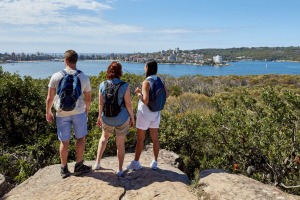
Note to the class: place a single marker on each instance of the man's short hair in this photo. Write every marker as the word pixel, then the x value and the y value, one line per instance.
pixel 71 56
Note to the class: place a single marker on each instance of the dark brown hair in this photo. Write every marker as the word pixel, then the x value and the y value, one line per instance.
pixel 71 56
pixel 151 68
pixel 114 70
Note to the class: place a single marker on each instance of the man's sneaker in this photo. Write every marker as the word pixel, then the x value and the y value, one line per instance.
pixel 80 168
pixel 97 166
pixel 153 165
pixel 120 173
pixel 134 165
pixel 64 171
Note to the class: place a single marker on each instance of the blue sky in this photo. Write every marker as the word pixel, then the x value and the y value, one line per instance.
pixel 128 26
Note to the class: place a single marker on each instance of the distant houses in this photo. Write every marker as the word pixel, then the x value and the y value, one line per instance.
pixel 175 56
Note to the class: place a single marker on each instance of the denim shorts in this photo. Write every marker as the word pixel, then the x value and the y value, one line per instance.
pixel 120 130
pixel 64 125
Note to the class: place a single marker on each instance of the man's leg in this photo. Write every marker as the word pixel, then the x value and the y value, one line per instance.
pixel 80 147
pixel 63 151
pixel 80 129
pixel 63 125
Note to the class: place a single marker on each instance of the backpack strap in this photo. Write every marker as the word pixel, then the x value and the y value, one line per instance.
pixel 105 84
pixel 120 84
pixel 152 87
pixel 152 81
pixel 116 100
pixel 61 82
pixel 117 93
pixel 63 72
pixel 78 72
pixel 76 78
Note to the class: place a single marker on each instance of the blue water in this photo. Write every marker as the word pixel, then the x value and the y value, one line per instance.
pixel 92 68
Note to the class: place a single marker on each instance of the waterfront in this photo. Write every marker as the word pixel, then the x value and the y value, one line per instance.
pixel 92 68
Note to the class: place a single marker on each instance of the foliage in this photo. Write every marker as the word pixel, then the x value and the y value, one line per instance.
pixel 23 129
pixel 21 109
pixel 242 124
pixel 252 131
pixel 255 53
pixel 260 133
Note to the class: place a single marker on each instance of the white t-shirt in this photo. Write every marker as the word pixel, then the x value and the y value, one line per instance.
pixel 80 104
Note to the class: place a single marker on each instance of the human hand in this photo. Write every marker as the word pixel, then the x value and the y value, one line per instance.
pixel 99 121
pixel 49 117
pixel 138 90
pixel 131 122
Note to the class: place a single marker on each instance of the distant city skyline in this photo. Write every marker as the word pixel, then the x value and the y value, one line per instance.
pixel 130 26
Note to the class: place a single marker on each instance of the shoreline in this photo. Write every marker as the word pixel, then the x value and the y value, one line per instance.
pixel 161 63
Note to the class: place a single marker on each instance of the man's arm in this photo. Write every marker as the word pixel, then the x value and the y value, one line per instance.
pixel 49 103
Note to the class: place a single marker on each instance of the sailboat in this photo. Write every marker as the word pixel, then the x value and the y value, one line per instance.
pixel 266 65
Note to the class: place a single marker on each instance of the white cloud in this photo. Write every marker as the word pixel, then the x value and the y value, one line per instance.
pixel 34 12
pixel 57 17
pixel 48 25
pixel 184 31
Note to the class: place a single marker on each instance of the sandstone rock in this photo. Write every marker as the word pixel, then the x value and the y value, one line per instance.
pixel 167 182
pixel 217 184
pixel 3 185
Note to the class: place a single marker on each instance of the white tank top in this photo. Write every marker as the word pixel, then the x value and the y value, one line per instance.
pixel 144 110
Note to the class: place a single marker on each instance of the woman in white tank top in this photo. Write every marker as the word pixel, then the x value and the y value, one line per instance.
pixel 146 119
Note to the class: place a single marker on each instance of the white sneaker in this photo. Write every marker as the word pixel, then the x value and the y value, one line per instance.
pixel 153 165
pixel 120 173
pixel 97 166
pixel 134 165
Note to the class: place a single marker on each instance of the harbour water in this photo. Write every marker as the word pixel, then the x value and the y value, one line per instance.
pixel 93 68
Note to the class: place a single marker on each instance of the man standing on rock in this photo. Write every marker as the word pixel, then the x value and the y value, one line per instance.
pixel 65 91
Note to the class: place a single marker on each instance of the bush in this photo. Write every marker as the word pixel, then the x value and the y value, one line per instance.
pixel 247 125
pixel 24 133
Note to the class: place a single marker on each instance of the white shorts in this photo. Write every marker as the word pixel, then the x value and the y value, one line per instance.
pixel 143 122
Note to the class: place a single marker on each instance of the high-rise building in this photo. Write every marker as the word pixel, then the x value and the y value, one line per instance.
pixel 217 59
pixel 13 56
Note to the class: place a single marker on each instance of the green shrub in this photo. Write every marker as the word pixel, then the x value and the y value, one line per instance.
pixel 242 124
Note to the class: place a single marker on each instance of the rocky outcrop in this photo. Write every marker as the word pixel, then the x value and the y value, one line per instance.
pixel 217 184
pixel 168 182
pixel 3 185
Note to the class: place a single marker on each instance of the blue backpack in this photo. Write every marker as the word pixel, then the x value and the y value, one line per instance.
pixel 157 95
pixel 69 90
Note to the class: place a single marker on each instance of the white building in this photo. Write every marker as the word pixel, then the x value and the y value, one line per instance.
pixel 217 59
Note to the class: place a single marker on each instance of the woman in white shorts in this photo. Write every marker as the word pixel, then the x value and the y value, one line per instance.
pixel 146 119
